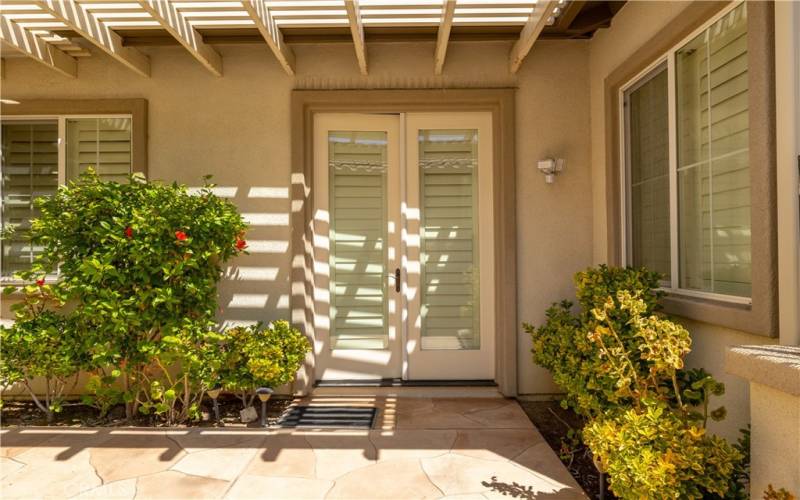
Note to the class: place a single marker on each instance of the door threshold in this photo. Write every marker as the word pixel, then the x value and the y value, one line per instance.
pixel 396 382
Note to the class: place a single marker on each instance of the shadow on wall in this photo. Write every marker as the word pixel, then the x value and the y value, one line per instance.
pixel 255 287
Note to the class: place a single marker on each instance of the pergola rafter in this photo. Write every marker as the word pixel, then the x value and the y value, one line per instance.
pixel 118 26
pixel 176 24
pixel 530 33
pixel 262 17
pixel 89 27
pixel 36 48
pixel 443 36
pixel 357 30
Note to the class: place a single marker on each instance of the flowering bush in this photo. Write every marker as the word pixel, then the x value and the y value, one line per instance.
pixel 139 264
pixel 621 365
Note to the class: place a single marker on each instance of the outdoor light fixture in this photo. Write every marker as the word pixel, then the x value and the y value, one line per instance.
pixel 550 168
pixel 213 393
pixel 264 394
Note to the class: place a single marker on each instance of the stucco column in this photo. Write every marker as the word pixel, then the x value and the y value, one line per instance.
pixel 774 375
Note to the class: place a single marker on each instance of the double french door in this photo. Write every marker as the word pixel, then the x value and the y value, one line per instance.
pixel 403 246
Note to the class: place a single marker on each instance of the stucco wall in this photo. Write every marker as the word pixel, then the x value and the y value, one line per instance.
pixel 237 128
pixel 633 26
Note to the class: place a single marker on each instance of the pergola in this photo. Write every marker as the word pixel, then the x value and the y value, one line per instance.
pixel 56 32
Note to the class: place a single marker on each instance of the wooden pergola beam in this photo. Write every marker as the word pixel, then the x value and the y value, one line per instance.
pixel 262 17
pixel 171 19
pixel 530 32
pixel 89 27
pixel 357 30
pixel 36 48
pixel 571 11
pixel 443 36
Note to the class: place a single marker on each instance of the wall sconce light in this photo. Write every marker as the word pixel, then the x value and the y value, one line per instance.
pixel 550 167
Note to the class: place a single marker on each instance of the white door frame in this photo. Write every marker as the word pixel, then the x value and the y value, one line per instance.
pixel 346 364
pixel 403 355
pixel 450 364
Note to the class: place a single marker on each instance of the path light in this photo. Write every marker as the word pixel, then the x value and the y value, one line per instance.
pixel 213 393
pixel 264 394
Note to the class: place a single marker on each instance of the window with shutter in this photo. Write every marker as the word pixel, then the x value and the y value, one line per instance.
pixel 646 124
pixel 713 158
pixel 33 165
pixel 101 143
pixel 30 170
pixel 687 167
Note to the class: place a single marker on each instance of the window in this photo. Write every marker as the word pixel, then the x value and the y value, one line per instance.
pixel 38 154
pixel 687 169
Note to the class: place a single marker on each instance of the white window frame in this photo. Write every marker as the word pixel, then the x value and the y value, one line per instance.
pixel 673 286
pixel 62 159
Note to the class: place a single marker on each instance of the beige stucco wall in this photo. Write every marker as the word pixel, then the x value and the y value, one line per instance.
pixel 237 128
pixel 633 26
pixel 775 445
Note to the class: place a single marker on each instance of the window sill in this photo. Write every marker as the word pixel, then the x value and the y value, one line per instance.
pixel 740 316
pixel 717 298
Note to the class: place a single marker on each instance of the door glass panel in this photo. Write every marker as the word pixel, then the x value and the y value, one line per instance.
pixel 448 161
pixel 30 170
pixel 357 172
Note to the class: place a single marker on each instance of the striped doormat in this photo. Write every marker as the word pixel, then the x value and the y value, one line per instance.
pixel 343 417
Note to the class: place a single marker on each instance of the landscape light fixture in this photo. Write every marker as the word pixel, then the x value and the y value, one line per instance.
pixel 264 393
pixel 213 393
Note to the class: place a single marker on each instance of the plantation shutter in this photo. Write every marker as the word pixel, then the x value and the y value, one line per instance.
pixel 647 123
pixel 448 174
pixel 358 164
pixel 101 143
pixel 30 170
pixel 713 158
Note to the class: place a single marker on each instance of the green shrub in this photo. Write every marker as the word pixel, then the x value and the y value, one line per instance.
pixel 620 363
pixel 139 263
pixel 651 452
pixel 562 344
pixel 41 344
pixel 260 356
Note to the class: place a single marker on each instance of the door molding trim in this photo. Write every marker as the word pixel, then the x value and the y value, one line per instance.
pixel 500 102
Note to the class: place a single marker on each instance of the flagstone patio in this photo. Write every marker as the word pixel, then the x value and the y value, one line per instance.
pixel 418 448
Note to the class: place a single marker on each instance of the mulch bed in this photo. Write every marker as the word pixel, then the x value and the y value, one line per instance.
pixel 554 422
pixel 75 414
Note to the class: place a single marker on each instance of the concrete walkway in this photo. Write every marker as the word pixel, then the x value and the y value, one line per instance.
pixel 418 448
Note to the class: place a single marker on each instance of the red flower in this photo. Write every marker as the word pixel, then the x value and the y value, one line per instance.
pixel 129 232
pixel 180 235
pixel 40 282
pixel 240 244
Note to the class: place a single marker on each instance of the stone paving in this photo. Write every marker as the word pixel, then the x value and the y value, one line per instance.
pixel 465 448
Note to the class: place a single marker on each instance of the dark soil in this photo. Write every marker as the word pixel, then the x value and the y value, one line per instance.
pixel 75 414
pixel 554 422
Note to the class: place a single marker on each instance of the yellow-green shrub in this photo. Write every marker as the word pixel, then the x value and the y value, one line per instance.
pixel 620 363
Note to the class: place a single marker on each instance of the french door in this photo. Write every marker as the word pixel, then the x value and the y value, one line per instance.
pixel 403 246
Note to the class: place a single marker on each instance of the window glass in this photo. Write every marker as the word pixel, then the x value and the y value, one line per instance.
pixel 30 169
pixel 713 167
pixel 101 143
pixel 648 172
